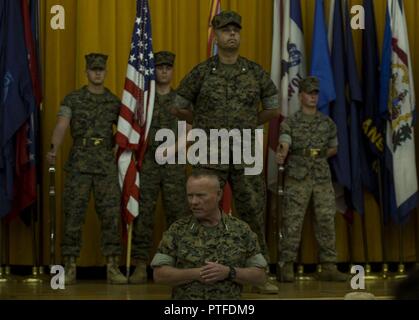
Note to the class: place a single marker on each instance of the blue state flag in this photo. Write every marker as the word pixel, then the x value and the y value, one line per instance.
pixel 358 160
pixel 373 139
pixel 397 108
pixel 16 98
pixel 341 166
pixel 320 60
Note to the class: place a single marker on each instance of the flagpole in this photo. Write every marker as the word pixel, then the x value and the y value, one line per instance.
pixel 129 246
pixel 34 277
pixel 3 279
pixel 52 213
pixel 417 238
pixel 7 272
pixel 384 271
pixel 368 274
pixel 401 272
pixel 349 237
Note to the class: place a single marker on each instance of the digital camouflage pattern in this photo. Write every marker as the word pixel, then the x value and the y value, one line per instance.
pixel 164 57
pixel 169 178
pixel 77 188
pixel 228 97
pixel 92 117
pixel 303 133
pixel 249 198
pixel 305 177
pixel 188 244
pixel 309 84
pixel 91 166
pixel 96 61
pixel 225 18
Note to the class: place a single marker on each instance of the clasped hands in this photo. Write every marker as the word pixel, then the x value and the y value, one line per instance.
pixel 213 272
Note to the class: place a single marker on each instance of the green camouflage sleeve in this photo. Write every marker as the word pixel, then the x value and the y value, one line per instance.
pixel 65 108
pixel 188 90
pixel 252 244
pixel 285 133
pixel 333 138
pixel 254 256
pixel 269 93
pixel 166 252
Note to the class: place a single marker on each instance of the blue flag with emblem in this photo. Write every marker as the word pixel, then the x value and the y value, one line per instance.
pixel 371 124
pixel 341 162
pixel 397 108
pixel 358 160
pixel 16 98
pixel 320 60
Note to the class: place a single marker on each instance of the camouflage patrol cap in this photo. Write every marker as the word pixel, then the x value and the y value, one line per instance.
pixel 164 57
pixel 309 84
pixel 96 61
pixel 226 17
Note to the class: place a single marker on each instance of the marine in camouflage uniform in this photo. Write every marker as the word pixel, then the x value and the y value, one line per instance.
pixel 190 244
pixel 90 168
pixel 227 96
pixel 169 178
pixel 311 139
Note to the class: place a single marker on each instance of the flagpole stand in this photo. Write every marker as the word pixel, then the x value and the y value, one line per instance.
pixel 37 276
pixel 3 279
pixel 384 271
pixel 370 275
pixel 301 276
pixel 401 272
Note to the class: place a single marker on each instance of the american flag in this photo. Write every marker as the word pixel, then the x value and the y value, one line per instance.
pixel 136 111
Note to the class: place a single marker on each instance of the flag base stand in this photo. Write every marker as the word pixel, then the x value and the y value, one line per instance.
pixel 370 275
pixel 384 272
pixel 3 279
pixel 301 276
pixel 37 277
pixel 400 274
pixel 6 276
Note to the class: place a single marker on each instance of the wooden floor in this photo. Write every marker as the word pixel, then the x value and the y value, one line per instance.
pixel 99 290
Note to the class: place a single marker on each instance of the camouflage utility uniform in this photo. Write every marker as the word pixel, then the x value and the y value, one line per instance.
pixel 171 178
pixel 188 244
pixel 307 175
pixel 91 167
pixel 228 96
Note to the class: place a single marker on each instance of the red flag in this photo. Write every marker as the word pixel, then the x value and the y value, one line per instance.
pixel 136 112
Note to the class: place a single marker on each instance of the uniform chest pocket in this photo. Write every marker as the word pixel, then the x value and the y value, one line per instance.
pixel 212 94
pixel 81 120
pixel 247 90
pixel 107 114
pixel 322 134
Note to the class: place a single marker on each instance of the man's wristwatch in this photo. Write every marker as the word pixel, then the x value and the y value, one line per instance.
pixel 232 273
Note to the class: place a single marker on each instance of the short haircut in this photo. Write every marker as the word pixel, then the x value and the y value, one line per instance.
pixel 202 173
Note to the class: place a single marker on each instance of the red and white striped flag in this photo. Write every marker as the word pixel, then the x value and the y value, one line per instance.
pixel 136 111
